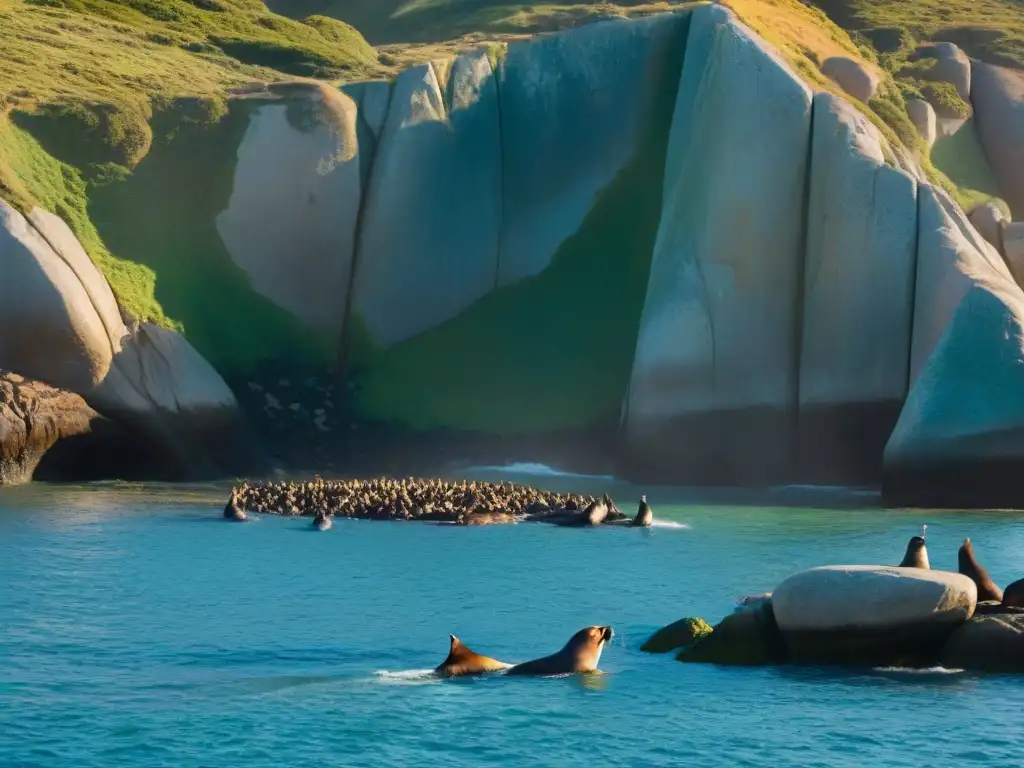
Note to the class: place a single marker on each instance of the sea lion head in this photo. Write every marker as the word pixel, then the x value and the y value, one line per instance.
pixel 586 646
pixel 916 555
pixel 464 661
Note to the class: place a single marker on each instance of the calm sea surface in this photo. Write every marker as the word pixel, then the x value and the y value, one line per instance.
pixel 138 629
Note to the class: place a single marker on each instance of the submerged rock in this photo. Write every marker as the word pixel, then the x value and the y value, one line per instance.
pixel 678 634
pixel 866 614
pixel 747 638
pixel 987 643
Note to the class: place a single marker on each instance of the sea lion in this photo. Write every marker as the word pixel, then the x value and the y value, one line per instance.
pixel 916 555
pixel 644 514
pixel 233 510
pixel 581 654
pixel 596 512
pixel 968 566
pixel 322 521
pixel 463 661
pixel 1013 595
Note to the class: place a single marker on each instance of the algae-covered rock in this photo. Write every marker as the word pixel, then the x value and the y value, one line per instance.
pixel 678 634
pixel 748 638
pixel 987 644
pixel 714 383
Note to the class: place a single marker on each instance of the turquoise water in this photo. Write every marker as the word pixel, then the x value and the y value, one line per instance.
pixel 137 629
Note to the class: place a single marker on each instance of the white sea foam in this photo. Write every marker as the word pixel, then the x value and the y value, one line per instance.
pixel 534 468
pixel 669 524
pixel 920 670
pixel 407 676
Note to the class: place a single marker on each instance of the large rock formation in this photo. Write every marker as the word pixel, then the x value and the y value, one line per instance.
pixel 61 325
pixel 988 644
pixel 714 385
pixel 50 434
pixel 428 244
pixel 870 614
pixel 998 98
pixel 858 294
pixel 298 167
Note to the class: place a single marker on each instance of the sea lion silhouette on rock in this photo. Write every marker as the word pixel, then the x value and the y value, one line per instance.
pixel 462 661
pixel 233 511
pixel 581 654
pixel 969 566
pixel 1013 595
pixel 644 514
pixel 916 555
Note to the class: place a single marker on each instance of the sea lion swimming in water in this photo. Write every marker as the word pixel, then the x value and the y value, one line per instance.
pixel 462 661
pixel 322 521
pixel 644 514
pixel 581 654
pixel 1013 595
pixel 968 566
pixel 916 555
pixel 233 511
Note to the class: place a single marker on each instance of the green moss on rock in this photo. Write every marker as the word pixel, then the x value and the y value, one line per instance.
pixel 163 216
pixel 678 634
pixel 747 638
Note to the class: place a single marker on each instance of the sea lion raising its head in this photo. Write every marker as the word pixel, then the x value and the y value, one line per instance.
pixel 916 555
pixel 644 514
pixel 968 566
pixel 233 510
pixel 595 513
pixel 463 661
pixel 1013 595
pixel 581 654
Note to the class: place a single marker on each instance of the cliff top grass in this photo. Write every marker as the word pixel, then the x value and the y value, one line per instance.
pixel 81 82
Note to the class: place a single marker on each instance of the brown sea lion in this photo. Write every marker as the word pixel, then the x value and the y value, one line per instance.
pixel 1013 595
pixel 581 654
pixel 595 513
pixel 916 555
pixel 644 514
pixel 968 566
pixel 462 661
pixel 233 510
pixel 322 521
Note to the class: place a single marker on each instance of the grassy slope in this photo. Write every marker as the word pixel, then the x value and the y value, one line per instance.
pixel 84 77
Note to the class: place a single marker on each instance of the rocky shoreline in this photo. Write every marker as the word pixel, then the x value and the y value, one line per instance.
pixel 428 499
pixel 871 616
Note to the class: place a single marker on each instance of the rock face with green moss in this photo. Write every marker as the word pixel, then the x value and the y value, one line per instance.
pixel 643 238
pixel 431 219
pixel 297 167
pixel 62 326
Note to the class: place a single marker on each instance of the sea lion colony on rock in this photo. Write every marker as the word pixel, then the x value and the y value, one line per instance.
pixel 461 503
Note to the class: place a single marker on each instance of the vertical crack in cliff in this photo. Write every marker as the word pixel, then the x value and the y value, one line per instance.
pixel 365 197
pixel 497 72
pixel 912 299
pixel 800 293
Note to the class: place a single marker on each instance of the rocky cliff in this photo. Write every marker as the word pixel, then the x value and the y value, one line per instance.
pixel 650 235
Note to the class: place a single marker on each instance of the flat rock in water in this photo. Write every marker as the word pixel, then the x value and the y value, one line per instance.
pixel 987 643
pixel 871 614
